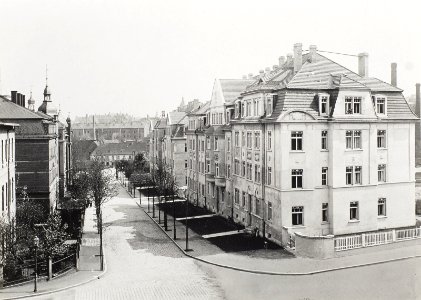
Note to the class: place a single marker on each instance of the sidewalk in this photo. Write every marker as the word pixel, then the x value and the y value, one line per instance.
pixel 278 263
pixel 89 267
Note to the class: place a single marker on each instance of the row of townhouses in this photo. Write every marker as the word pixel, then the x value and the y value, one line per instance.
pixel 308 146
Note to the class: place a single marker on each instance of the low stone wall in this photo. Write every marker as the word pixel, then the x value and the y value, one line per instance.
pixel 314 246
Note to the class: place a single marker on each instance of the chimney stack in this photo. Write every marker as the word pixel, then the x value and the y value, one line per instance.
pixel 163 114
pixel 298 57
pixel 289 59
pixel 363 64
pixel 394 74
pixel 313 52
pixel 13 98
pixel 417 99
pixel 19 99
pixel 281 61
pixel 261 73
pixel 23 100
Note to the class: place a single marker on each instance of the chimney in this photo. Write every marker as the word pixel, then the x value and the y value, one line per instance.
pixel 417 100
pixel 163 114
pixel 289 59
pixel 313 52
pixel 250 75
pixel 19 99
pixel 261 73
pixel 298 57
pixel 394 74
pixel 267 70
pixel 23 100
pixel 363 64
pixel 13 96
pixel 281 61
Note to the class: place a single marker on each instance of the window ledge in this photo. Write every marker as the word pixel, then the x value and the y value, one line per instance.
pixel 298 226
pixel 297 151
pixel 382 148
pixel 354 221
pixel 356 149
pixel 324 150
pixel 325 223
pixel 381 217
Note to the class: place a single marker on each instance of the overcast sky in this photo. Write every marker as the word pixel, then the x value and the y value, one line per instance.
pixel 141 57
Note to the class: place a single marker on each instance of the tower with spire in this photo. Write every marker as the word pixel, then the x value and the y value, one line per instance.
pixel 31 103
pixel 47 107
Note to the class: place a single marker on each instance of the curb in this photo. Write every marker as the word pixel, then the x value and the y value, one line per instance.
pixel 99 276
pixel 269 272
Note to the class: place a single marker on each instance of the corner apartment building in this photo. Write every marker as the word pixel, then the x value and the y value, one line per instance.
pixel 311 147
pixel 7 171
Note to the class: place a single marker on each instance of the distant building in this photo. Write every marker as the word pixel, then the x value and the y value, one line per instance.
pixel 110 128
pixel 111 152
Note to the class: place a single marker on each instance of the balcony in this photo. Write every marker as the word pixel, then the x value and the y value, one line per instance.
pixel 220 181
pixel 210 177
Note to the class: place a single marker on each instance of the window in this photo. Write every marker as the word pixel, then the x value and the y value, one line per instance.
pixel 297 215
pixel 185 164
pixel 215 144
pixel 297 178
pixel 244 199
pixel 228 144
pixel 348 175
pixel 249 108
pixel 381 105
pixel 249 171
pixel 381 207
pixel 269 140
pixel 269 176
pixel 257 140
pixel 243 139
pixel 237 139
pixel 269 106
pixel 353 210
pixel 297 140
pixel 325 212
pixel 381 173
pixel 243 169
pixel 269 211
pixel 236 167
pixel 208 144
pixel 257 173
pixel 207 166
pixel 249 140
pixel 185 147
pixel 324 176
pixel 228 171
pixel 358 176
pixel 353 139
pixel 243 110
pixel 324 140
pixel 324 105
pixel 217 169
pixel 257 206
pixel 237 196
pixel 352 105
pixel 381 138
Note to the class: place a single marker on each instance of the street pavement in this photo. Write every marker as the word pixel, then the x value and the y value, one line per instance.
pixel 142 263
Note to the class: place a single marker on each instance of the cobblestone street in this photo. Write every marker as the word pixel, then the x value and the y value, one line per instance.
pixel 142 262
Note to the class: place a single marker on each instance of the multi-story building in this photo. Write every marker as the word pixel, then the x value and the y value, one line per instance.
pixel 37 147
pixel 344 153
pixel 7 171
pixel 156 138
pixel 174 146
pixel 308 146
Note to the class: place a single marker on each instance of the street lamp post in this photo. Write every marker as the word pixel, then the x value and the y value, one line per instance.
pixel 36 244
pixel 187 227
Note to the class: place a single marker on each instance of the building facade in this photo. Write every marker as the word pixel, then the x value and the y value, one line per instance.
pixel 111 152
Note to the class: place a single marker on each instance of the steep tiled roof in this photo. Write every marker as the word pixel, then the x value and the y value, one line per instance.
pixel 174 117
pixel 10 110
pixel 232 88
pixel 201 110
pixel 317 75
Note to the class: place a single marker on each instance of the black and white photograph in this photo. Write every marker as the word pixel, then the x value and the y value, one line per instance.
pixel 212 150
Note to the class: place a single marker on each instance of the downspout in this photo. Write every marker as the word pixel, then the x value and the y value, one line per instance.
pixel 263 172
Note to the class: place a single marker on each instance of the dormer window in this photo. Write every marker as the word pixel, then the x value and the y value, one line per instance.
pixel 324 105
pixel 243 110
pixel 381 105
pixel 269 106
pixel 352 105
